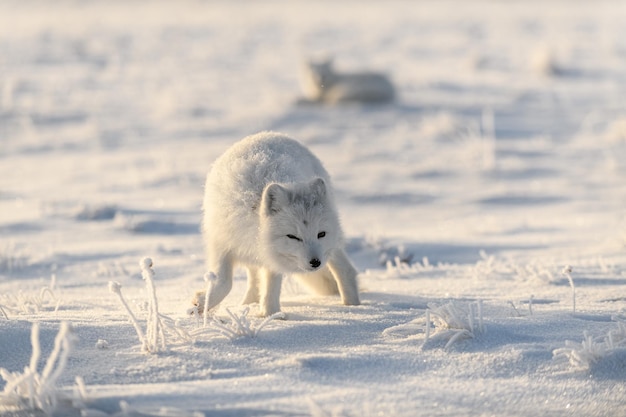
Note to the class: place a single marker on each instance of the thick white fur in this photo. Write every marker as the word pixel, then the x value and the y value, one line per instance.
pixel 323 84
pixel 269 207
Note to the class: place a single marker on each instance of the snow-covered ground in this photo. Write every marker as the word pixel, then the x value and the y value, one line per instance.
pixel 502 162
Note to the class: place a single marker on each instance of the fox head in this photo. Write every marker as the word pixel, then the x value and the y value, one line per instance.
pixel 299 226
pixel 319 76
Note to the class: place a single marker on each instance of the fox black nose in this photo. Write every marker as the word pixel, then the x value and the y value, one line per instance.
pixel 315 263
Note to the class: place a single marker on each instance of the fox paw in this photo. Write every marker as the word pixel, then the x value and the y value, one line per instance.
pixel 197 303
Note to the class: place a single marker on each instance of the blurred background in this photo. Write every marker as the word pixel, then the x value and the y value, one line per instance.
pixel 114 72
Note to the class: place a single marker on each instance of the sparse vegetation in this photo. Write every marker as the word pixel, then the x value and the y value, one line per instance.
pixel 583 356
pixel 449 322
pixel 12 258
pixel 238 326
pixel 157 325
pixel 452 322
pixel 32 390
pixel 29 303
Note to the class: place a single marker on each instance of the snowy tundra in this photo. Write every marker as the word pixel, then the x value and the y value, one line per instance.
pixel 501 160
pixel 269 207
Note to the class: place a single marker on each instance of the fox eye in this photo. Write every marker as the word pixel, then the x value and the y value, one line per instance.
pixel 294 238
pixel 321 235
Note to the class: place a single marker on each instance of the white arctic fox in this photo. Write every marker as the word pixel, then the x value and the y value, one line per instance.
pixel 323 84
pixel 269 207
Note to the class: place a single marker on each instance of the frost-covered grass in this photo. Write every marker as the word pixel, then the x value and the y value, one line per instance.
pixel 12 258
pixel 591 351
pixel 28 302
pixel 34 389
pixel 158 326
pixel 452 322
pixel 239 325
pixel 449 323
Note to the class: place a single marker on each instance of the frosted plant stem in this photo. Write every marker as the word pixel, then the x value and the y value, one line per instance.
pixel 67 341
pixel 34 341
pixel 470 318
pixel 81 389
pixel 239 326
pixel 15 380
pixel 43 292
pixel 481 323
pixel 31 388
pixel 152 332
pixel 530 305
pixel 240 322
pixel 58 341
pixel 567 271
pixel 458 334
pixel 225 331
pixel 4 313
pixel 427 330
pixel 161 332
pixel 116 288
pixel 515 309
pixel 210 279
pixel 46 393
pixel 267 320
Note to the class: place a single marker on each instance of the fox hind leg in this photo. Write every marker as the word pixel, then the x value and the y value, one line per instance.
pixel 220 287
pixel 346 277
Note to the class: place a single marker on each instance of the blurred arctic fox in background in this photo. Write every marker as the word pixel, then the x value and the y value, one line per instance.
pixel 323 84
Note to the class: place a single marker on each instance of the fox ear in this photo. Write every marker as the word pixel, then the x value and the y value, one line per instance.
pixel 275 197
pixel 318 189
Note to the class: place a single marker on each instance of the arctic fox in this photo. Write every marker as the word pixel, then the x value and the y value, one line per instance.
pixel 323 84
pixel 269 207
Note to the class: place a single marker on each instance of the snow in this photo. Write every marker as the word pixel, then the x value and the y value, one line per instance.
pixel 502 162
